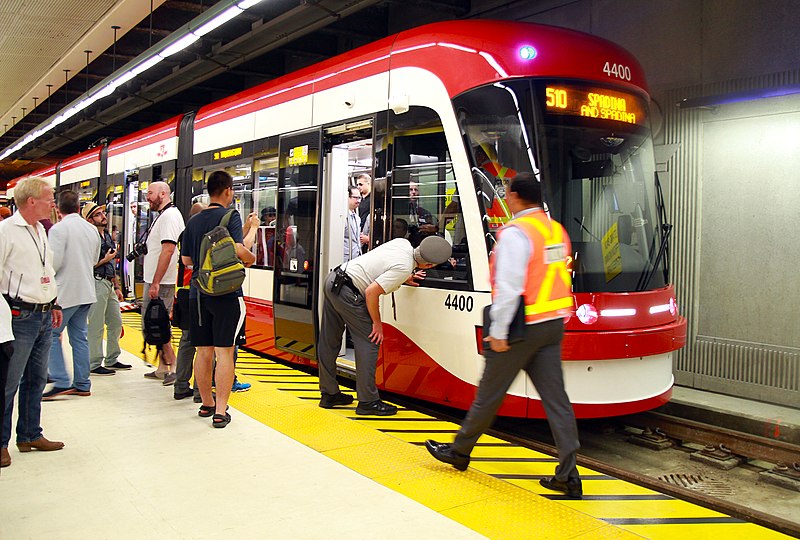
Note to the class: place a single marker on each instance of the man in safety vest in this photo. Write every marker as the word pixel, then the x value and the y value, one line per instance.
pixel 530 260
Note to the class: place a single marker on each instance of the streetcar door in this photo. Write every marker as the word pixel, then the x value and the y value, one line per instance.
pixel 296 243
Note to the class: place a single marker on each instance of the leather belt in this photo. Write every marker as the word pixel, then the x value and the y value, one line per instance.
pixel 15 303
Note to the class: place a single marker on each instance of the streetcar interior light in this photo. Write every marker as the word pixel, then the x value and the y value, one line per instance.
pixel 586 313
pixel 526 52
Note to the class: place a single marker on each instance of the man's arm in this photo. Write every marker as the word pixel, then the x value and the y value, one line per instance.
pixel 245 255
pixel 511 263
pixel 372 296
pixel 167 249
pixel 58 243
pixel 187 261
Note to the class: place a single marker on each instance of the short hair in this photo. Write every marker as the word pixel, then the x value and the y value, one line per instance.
pixel 29 188
pixel 69 202
pixel 365 176
pixel 527 187
pixel 218 181
pixel 350 191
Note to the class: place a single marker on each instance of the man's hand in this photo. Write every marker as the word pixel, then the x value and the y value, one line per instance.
pixel 497 345
pixel 58 318
pixel 376 336
pixel 118 292
pixel 110 255
pixel 412 279
pixel 153 292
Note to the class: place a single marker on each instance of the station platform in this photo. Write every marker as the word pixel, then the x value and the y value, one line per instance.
pixel 139 464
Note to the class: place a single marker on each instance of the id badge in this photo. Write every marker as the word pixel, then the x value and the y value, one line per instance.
pixel 45 281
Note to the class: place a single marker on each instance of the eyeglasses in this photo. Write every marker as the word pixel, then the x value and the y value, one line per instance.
pixel 356 197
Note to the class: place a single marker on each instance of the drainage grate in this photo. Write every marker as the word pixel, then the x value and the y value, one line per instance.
pixel 710 486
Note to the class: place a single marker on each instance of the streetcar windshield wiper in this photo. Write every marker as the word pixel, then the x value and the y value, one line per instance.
pixel 663 248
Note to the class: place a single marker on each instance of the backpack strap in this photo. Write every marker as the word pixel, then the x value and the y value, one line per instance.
pixel 226 218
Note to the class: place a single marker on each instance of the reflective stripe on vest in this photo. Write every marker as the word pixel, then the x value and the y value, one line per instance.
pixel 548 287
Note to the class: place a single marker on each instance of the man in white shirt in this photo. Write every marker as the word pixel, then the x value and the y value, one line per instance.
pixel 161 266
pixel 352 229
pixel 27 282
pixel 76 247
pixel 352 298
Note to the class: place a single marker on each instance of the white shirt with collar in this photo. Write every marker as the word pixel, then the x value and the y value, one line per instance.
pixel 76 245
pixel 26 261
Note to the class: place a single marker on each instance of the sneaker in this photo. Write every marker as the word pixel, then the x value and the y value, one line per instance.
pixel 100 370
pixel 376 408
pixel 183 394
pixel 57 392
pixel 330 401
pixel 169 379
pixel 239 386
pixel 119 365
pixel 155 375
pixel 84 393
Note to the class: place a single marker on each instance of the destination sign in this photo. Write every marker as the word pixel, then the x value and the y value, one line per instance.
pixel 228 153
pixel 597 103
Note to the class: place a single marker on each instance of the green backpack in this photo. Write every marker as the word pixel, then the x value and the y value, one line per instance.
pixel 221 271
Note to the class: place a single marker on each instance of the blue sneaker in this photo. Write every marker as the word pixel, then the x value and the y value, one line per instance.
pixel 240 386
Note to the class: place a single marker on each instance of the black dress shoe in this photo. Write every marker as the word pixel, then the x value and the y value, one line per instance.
pixel 572 487
pixel 376 408
pixel 330 401
pixel 444 452
pixel 183 394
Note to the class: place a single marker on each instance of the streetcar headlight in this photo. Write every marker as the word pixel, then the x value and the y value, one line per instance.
pixel 673 306
pixel 586 313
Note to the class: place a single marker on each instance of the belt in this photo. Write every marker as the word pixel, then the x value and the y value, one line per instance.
pixel 348 282
pixel 15 303
pixel 100 278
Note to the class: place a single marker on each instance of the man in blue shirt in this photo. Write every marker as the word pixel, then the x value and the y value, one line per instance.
pixel 215 320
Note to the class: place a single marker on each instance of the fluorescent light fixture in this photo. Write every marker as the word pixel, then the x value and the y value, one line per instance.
pixel 144 66
pixel 247 4
pixel 179 45
pixel 218 21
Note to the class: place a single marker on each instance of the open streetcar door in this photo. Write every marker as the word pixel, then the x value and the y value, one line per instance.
pixel 296 243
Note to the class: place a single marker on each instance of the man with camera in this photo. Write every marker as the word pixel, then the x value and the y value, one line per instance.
pixel 105 312
pixel 161 265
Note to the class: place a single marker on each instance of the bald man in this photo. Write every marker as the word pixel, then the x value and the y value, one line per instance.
pixel 161 266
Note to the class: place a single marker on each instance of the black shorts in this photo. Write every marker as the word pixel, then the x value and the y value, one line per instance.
pixel 219 322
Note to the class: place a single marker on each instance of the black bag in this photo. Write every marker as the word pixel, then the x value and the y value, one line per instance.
pixel 516 330
pixel 180 310
pixel 156 325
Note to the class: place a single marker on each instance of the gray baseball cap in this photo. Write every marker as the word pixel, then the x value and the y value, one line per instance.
pixel 434 249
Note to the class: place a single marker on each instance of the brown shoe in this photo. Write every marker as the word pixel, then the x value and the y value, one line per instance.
pixel 41 444
pixel 5 457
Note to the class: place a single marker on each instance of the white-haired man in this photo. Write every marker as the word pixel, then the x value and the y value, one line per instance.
pixel 28 283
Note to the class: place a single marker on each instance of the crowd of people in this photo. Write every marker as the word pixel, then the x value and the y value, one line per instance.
pixel 68 281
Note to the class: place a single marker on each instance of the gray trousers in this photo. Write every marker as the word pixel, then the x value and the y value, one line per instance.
pixel 185 360
pixel 539 354
pixel 104 313
pixel 338 310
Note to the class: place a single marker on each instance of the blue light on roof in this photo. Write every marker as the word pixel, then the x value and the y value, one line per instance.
pixel 526 52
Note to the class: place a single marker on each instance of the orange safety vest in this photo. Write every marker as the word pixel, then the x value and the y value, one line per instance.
pixel 548 287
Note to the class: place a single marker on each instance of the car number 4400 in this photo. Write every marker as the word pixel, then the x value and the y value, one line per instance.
pixel 459 302
pixel 617 70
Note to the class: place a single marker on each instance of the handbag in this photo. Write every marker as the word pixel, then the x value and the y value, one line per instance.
pixel 181 316
pixel 516 330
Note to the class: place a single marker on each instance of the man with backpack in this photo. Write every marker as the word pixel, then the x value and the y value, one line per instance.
pixel 213 246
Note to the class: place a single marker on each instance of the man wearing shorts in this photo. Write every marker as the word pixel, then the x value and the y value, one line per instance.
pixel 215 320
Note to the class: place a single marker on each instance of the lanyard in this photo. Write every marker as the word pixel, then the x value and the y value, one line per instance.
pixel 42 254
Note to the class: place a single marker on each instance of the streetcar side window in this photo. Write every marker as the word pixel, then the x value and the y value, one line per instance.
pixel 424 197
pixel 265 203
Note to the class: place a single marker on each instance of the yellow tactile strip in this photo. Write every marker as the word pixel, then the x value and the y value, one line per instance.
pixel 499 496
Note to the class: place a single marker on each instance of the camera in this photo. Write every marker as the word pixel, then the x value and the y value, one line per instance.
pixel 139 249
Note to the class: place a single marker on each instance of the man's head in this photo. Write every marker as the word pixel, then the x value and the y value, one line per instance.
pixel 268 215
pixel 158 195
pixel 524 191
pixel 399 228
pixel 196 208
pixel 5 212
pixel 34 198
pixel 68 203
pixel 354 197
pixel 95 214
pixel 432 251
pixel 364 183
pixel 220 187
pixel 413 191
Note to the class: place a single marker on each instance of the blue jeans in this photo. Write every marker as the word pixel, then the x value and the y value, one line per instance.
pixel 27 372
pixel 76 320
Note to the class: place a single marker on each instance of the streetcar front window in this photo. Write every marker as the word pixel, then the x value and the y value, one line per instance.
pixel 593 152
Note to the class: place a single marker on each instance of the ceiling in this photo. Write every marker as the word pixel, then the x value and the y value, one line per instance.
pixel 41 38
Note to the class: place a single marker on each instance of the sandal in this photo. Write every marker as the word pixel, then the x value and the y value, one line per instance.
pixel 206 411
pixel 221 420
